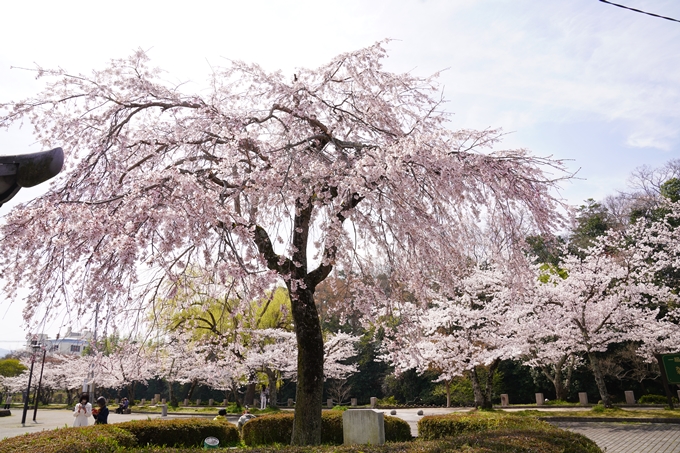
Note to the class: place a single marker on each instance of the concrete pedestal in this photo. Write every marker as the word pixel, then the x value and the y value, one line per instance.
pixel 583 398
pixel 539 399
pixel 505 400
pixel 630 397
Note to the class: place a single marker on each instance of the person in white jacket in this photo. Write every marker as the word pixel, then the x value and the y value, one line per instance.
pixel 83 411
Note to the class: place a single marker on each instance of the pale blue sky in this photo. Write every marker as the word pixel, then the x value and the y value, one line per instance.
pixel 577 79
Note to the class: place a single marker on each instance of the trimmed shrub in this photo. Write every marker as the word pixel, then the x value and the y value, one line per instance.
pixel 87 439
pixel 268 429
pixel 442 426
pixel 278 429
pixel 182 432
pixel 396 430
pixel 655 399
pixel 553 441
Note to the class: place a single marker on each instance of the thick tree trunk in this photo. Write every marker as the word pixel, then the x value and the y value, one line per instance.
pixel 307 423
pixel 273 380
pixel 599 379
pixel 191 388
pixel 488 391
pixel 249 398
pixel 476 388
pixel 448 393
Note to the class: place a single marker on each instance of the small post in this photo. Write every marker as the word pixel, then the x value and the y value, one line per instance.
pixel 583 398
pixel 353 402
pixel 164 410
pixel 505 401
pixel 210 402
pixel 630 397
pixel 539 399
pixel 329 403
pixel 198 402
pixel 186 402
pixel 374 402
pixel 290 402
pixel 163 401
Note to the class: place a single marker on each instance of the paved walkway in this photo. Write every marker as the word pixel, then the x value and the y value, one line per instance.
pixel 611 437
pixel 629 437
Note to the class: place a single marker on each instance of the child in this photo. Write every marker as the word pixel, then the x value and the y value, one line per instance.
pixel 82 411
pixel 101 415
pixel 221 415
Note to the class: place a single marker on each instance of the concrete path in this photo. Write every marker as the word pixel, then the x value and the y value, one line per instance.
pixel 629 437
pixel 54 418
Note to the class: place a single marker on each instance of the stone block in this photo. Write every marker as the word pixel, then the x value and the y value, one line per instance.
pixel 164 410
pixel 198 402
pixel 156 398
pixel 210 402
pixel 291 403
pixel 539 399
pixel 583 398
pixel 630 397
pixel 186 402
pixel 505 400
pixel 374 402
pixel 143 402
pixel 163 401
pixel 353 402
pixel 116 401
pixel 329 403
pixel 363 426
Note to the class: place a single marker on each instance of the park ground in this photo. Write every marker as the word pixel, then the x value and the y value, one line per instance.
pixel 613 437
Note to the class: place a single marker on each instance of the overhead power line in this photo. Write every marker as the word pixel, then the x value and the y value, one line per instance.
pixel 639 11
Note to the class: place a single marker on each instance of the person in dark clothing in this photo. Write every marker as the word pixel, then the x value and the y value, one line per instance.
pixel 101 417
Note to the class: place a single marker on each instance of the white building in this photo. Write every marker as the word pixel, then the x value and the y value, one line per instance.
pixel 70 343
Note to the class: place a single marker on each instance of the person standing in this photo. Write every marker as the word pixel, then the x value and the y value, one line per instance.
pixel 101 414
pixel 8 400
pixel 263 397
pixel 83 411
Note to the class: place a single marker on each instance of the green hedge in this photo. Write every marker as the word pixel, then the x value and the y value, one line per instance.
pixel 442 426
pixel 552 441
pixel 655 399
pixel 88 439
pixel 181 432
pixel 278 429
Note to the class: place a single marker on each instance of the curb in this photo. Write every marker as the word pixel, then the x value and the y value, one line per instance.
pixel 611 420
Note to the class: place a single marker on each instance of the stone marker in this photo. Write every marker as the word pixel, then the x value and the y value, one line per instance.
pixel 583 398
pixel 393 412
pixel 630 397
pixel 210 402
pixel 115 401
pixel 539 399
pixel 156 398
pixel 225 402
pixel 163 401
pixel 329 403
pixel 290 402
pixel 363 426
pixel 505 401
pixel 164 410
pixel 353 401
pixel 374 402
pixel 143 402
pixel 198 402
pixel 186 402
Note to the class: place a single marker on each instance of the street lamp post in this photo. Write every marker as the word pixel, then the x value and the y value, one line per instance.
pixel 35 347
pixel 37 394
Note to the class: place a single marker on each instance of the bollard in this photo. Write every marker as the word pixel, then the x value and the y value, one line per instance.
pixel 329 403
pixel 186 402
pixel 583 398
pixel 164 410
pixel 290 402
pixel 630 397
pixel 210 402
pixel 353 401
pixel 374 402
pixel 505 401
pixel 539 399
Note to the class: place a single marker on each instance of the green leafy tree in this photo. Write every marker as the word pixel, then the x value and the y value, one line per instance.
pixel 11 367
